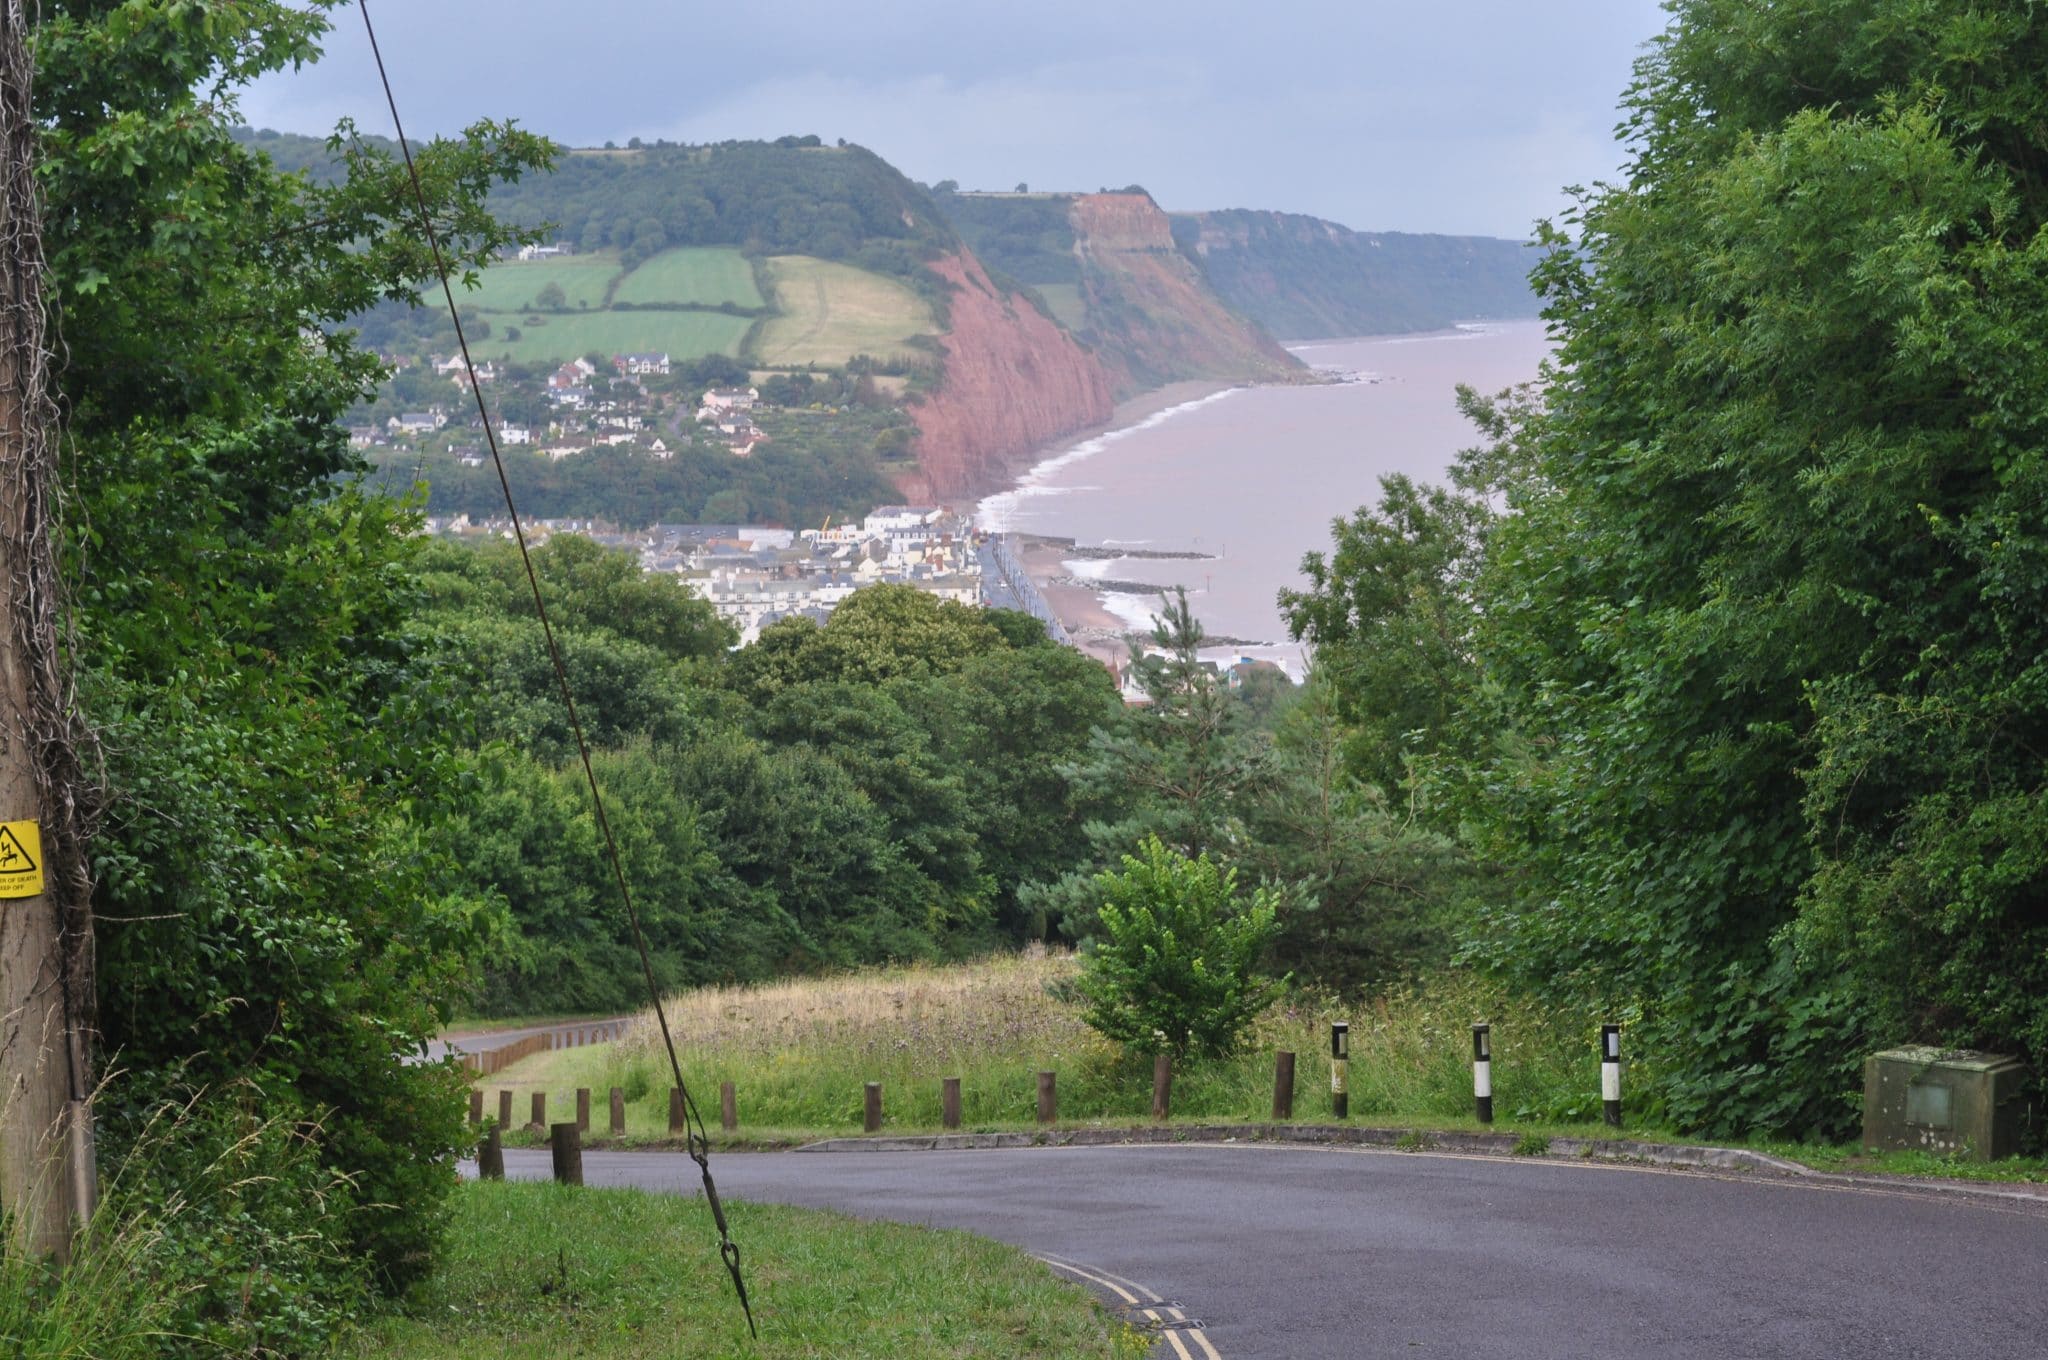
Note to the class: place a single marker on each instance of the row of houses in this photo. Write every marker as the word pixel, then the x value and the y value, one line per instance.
pixel 755 577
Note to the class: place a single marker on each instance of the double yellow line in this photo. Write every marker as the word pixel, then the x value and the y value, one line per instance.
pixel 1139 1301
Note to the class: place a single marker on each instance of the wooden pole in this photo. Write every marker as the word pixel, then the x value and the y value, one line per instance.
pixel 618 1111
pixel 583 1109
pixel 872 1112
pixel 565 1143
pixel 1283 1085
pixel 47 1178
pixel 540 1109
pixel 678 1122
pixel 949 1102
pixel 476 1106
pixel 728 1107
pixel 1162 1086
pixel 490 1156
pixel 504 1109
pixel 1048 1099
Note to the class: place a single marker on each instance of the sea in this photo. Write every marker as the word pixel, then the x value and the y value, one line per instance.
pixel 1245 481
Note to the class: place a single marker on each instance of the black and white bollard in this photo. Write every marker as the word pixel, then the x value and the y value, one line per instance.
pixel 1340 1070
pixel 1482 1072
pixel 1610 1072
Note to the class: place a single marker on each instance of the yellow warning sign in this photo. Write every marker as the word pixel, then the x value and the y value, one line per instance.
pixel 21 859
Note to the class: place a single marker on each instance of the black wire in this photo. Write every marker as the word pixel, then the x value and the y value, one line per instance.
pixel 696 1136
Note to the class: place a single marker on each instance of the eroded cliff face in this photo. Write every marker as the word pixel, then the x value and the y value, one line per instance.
pixel 1013 382
pixel 1151 313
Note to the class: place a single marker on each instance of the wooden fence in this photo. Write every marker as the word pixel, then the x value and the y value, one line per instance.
pixel 492 1060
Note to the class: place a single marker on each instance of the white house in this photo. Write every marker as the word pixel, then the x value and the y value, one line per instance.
pixel 641 364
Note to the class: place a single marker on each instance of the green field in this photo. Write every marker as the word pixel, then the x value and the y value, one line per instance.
pixel 831 312
pixel 1066 304
pixel 563 336
pixel 827 312
pixel 512 285
pixel 705 275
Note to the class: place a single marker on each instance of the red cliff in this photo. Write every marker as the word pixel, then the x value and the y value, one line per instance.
pixel 1151 310
pixel 1012 381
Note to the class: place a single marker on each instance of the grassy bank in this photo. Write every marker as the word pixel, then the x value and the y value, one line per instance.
pixel 800 1052
pixel 537 1271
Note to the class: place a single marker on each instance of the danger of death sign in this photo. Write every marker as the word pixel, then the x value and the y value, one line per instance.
pixel 21 859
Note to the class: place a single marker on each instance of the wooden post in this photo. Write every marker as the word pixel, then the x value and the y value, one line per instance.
pixel 872 1115
pixel 47 1175
pixel 476 1106
pixel 1162 1086
pixel 728 1107
pixel 583 1109
pixel 540 1109
pixel 565 1142
pixel 678 1121
pixel 504 1109
pixel 949 1102
pixel 1048 1099
pixel 618 1112
pixel 490 1156
pixel 1283 1085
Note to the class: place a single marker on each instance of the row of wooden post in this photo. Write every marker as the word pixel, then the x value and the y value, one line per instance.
pixel 728 1109
pixel 492 1060
pixel 1048 1097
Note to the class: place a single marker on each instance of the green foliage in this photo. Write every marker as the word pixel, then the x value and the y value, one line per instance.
pixel 271 902
pixel 1760 652
pixel 1373 890
pixel 1184 766
pixel 1175 966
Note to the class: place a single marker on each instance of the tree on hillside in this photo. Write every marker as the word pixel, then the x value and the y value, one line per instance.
pixel 274 909
pixel 1768 631
pixel 1183 766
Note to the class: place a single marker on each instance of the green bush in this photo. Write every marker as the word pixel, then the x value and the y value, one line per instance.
pixel 1174 967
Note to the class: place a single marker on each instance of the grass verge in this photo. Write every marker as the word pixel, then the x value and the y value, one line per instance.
pixel 537 1271
pixel 800 1051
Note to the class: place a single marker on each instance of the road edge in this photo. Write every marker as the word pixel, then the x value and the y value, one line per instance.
pixel 1455 1142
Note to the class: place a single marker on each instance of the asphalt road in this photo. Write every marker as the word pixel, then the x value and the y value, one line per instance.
pixel 479 1041
pixel 1300 1253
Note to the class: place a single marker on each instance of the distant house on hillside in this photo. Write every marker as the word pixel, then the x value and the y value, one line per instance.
pixel 575 373
pixel 417 422
pixel 721 401
pixel 640 365
pixel 514 434
pixel 554 251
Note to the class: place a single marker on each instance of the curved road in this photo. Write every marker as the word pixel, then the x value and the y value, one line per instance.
pixel 1296 1253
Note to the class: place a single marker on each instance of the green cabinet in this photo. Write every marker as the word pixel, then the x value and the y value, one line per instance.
pixel 1950 1102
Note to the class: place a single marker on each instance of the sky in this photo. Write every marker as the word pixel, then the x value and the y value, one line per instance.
pixel 1464 116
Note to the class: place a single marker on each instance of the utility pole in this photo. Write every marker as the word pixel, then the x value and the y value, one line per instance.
pixel 47 1181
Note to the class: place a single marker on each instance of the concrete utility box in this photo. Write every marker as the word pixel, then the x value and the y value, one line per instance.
pixel 1951 1102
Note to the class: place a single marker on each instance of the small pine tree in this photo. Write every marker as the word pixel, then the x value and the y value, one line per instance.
pixel 1175 965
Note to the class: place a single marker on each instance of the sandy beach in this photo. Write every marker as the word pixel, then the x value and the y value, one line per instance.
pixel 1077 604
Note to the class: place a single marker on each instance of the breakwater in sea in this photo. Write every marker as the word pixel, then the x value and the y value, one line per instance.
pixel 1223 495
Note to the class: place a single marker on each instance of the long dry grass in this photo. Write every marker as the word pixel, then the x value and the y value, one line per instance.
pixel 799 1053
